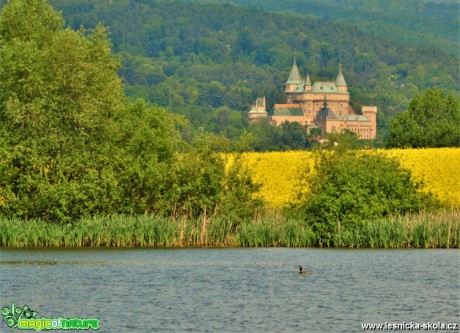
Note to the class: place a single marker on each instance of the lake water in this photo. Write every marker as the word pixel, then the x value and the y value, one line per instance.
pixel 233 290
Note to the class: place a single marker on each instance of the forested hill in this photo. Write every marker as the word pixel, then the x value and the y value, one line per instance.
pixel 418 22
pixel 211 61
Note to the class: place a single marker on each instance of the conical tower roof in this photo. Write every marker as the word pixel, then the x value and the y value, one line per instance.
pixel 340 81
pixel 307 80
pixel 294 77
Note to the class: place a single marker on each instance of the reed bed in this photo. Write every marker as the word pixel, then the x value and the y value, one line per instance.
pixel 424 230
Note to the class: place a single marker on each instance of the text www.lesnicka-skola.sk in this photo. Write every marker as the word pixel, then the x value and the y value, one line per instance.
pixel 410 326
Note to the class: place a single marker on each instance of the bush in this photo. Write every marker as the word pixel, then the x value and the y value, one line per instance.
pixel 238 202
pixel 349 187
pixel 432 120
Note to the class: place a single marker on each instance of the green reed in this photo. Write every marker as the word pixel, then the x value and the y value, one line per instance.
pixel 424 230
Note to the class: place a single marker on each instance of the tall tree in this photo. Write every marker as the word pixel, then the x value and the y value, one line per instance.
pixel 432 120
pixel 70 145
pixel 59 91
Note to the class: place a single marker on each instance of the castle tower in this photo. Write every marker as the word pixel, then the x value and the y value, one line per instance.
pixel 340 81
pixel 370 112
pixel 308 83
pixel 294 78
pixel 258 110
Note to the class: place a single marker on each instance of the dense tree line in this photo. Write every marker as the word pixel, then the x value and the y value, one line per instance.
pixel 195 60
pixel 71 145
pixel 417 22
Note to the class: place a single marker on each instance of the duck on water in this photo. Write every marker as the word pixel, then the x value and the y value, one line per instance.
pixel 302 272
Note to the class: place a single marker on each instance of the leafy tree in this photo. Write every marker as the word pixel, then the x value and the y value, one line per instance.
pixel 199 178
pixel 59 92
pixel 294 136
pixel 433 120
pixel 268 137
pixel 340 142
pixel 70 144
pixel 244 42
pixel 239 188
pixel 147 143
pixel 350 187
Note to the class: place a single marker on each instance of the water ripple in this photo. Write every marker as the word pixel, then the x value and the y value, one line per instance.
pixel 234 290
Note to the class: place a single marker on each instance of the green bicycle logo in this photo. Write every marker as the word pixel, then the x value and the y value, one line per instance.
pixel 24 318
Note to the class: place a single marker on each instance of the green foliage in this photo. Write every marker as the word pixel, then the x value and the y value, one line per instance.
pixel 59 93
pixel 238 203
pixel 71 145
pixel 263 136
pixel 349 187
pixel 427 22
pixel 146 142
pixel 433 120
pixel 201 186
pixel 200 177
pixel 340 142
pixel 191 58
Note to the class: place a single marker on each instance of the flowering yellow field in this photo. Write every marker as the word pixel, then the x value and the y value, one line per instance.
pixel 282 174
pixel 438 168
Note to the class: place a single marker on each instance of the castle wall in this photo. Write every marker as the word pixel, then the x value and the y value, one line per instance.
pixel 312 102
pixel 363 129
pixel 255 116
pixel 303 120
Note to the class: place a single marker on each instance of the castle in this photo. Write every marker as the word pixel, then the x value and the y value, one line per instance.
pixel 324 105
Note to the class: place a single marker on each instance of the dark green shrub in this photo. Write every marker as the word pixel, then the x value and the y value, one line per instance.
pixel 349 187
pixel 238 202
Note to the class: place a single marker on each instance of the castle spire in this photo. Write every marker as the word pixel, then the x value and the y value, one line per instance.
pixel 294 76
pixel 340 81
pixel 307 80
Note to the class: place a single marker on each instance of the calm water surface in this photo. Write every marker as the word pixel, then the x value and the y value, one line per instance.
pixel 233 290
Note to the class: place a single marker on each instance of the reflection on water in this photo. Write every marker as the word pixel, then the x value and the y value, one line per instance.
pixel 233 290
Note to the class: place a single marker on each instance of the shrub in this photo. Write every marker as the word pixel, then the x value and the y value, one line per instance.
pixel 349 187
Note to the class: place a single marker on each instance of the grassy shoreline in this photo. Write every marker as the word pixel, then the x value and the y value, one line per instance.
pixel 425 230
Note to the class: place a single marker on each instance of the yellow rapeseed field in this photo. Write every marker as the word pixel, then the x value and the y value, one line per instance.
pixel 282 174
pixel 437 168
